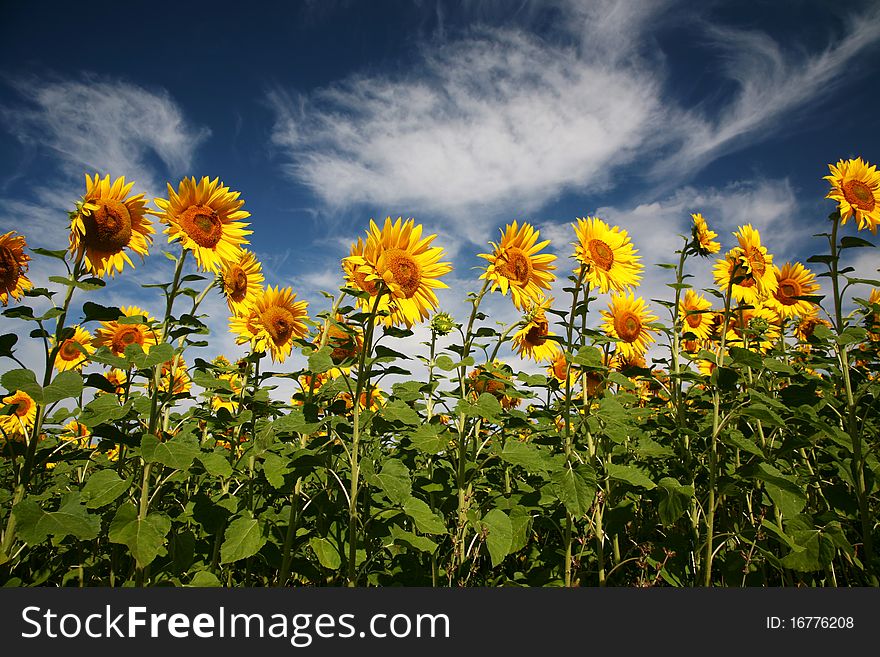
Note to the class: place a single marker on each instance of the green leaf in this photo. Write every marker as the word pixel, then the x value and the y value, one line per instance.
pixel 674 501
pixel 850 242
pixel 244 538
pixel 630 475
pixel 486 407
pixel 103 408
pixel 444 362
pixel 145 537
pixel 103 487
pixel 294 422
pixel 421 543
pixel 275 467
pixel 394 480
pixel 216 464
pixel 399 411
pixel 205 579
pixel 499 535
pixel 64 386
pixel 783 489
pixel 429 438
pixel 7 342
pixel 95 312
pixel 23 380
pixel 327 554
pixel 320 361
pixel 531 458
pixel 426 520
pixel 177 453
pixel 589 357
pixel 575 488
pixel 746 357
pixel 764 414
pixel 34 524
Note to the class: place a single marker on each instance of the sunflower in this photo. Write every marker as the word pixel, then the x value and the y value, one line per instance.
pixel 18 424
pixel 206 217
pixel 280 319
pixel 241 280
pixel 703 243
pixel 117 335
pixel 608 255
pixel 74 351
pixel 872 319
pixel 793 280
pixel 174 377
pixel 625 321
pixel 532 339
pixel 757 328
pixel 76 432
pixel 750 265
pixel 371 399
pixel 559 366
pixel 246 329
pixel 517 264
pixel 108 221
pixel 493 378
pixel 117 379
pixel 804 329
pixel 399 264
pixel 13 265
pixel 695 319
pixel 228 399
pixel 623 362
pixel 344 340
pixel 855 185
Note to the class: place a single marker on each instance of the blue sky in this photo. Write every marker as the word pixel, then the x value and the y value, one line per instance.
pixel 464 115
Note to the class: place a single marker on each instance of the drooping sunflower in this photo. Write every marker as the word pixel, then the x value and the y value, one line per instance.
pixel 108 221
pixel 793 280
pixel 280 318
pixel 74 351
pixel 13 265
pixel 17 425
pixel 751 265
pixel 703 239
pixel 607 254
pixel 344 339
pixel 241 280
pixel 117 335
pixel 855 185
pixel 531 341
pixel 206 217
pixel 516 264
pixel 402 266
pixel 694 318
pixel 174 377
pixel 626 321
pixel 756 328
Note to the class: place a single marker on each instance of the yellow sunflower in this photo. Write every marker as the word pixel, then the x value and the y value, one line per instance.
pixel 559 366
pixel 855 185
pixel 694 318
pixel 756 328
pixel 174 377
pixel 371 399
pixel 241 280
pixel 793 280
pixel 18 424
pixel 280 319
pixel 74 351
pixel 227 399
pixel 751 265
pixel 76 432
pixel 117 335
pixel 625 321
pixel 117 379
pixel 246 329
pixel 872 318
pixel 804 329
pixel 13 265
pixel 402 266
pixel 206 218
pixel 703 243
pixel 516 263
pixel 344 340
pixel 608 255
pixel 107 222
pixel 622 362
pixel 531 341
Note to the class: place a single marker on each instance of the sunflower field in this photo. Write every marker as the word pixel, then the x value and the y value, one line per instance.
pixel 732 442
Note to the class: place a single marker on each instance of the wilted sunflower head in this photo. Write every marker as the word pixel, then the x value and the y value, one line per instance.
pixel 134 327
pixel 606 255
pixel 703 240
pixel 74 352
pixel 206 217
pixel 241 281
pixel 517 264
pixel 107 222
pixel 855 185
pixel 13 265
pixel 626 320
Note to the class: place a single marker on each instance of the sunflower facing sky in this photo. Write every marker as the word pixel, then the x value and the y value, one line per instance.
pixel 703 239
pixel 17 425
pixel 13 265
pixel 626 321
pixel 516 264
pixel 207 219
pixel 107 222
pixel 694 318
pixel 400 264
pixel 241 281
pixel 531 341
pixel 607 254
pixel 855 185
pixel 74 351
pixel 117 336
pixel 280 319
pixel 794 280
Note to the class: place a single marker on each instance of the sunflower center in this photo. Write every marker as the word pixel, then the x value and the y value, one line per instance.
pixel 602 254
pixel 788 289
pixel 279 323
pixel 517 266
pixel 9 269
pixel 756 262
pixel 695 320
pixel 125 336
pixel 236 284
pixel 406 271
pixel 203 225
pixel 628 326
pixel 109 227
pixel 537 335
pixel 69 351
pixel 22 407
pixel 858 194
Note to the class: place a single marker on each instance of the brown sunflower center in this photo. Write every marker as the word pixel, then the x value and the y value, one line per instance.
pixel 695 320
pixel 628 326
pixel 537 334
pixel 345 346
pixel 69 351
pixel 517 266
pixel 756 262
pixel 125 336
pixel 279 322
pixel 108 228
pixel 602 254
pixel 859 194
pixel 23 406
pixel 202 224
pixel 406 271
pixel 9 269
pixel 788 289
pixel 236 282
